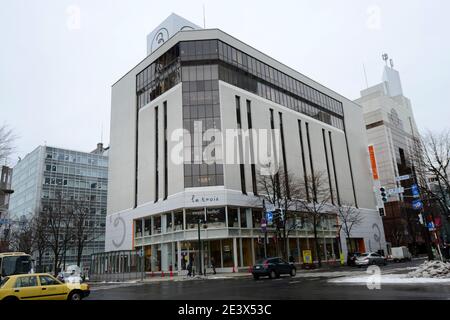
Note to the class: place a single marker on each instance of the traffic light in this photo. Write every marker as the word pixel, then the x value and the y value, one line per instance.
pixel 383 194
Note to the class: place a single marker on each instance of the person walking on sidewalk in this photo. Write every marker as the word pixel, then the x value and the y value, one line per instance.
pixel 213 265
pixel 189 268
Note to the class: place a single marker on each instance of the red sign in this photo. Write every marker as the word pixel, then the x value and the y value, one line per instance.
pixel 373 163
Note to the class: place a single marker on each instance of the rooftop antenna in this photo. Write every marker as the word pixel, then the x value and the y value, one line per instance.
pixel 391 62
pixel 385 58
pixel 365 76
pixel 101 135
pixel 204 17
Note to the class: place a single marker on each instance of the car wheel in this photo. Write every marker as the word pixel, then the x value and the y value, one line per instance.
pixel 256 277
pixel 10 299
pixel 75 296
pixel 293 272
pixel 273 274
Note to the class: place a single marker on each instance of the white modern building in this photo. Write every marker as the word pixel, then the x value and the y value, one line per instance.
pixel 207 78
pixel 391 133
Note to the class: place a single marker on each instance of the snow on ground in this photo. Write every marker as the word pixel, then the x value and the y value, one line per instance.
pixel 388 279
pixel 432 269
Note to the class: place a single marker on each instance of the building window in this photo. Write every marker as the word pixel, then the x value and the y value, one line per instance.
pixel 233 221
pixel 192 217
pixel 166 180
pixel 308 140
pixel 201 109
pixel 215 217
pixel 252 151
pixel 178 217
pixel 169 223
pixel 305 174
pixel 156 156
pixel 256 218
pixel 137 228
pixel 241 150
pixel 328 166
pixel 243 216
pixel 283 150
pixel 156 224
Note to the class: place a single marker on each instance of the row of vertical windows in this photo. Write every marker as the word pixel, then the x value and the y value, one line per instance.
pixel 252 152
pixel 305 175
pixel 156 156
pixel 328 165
pixel 308 140
pixel 239 69
pixel 201 106
pixel 215 49
pixel 166 174
pixel 269 91
pixel 277 176
pixel 239 126
pixel 283 150
pixel 334 169
pixel 158 77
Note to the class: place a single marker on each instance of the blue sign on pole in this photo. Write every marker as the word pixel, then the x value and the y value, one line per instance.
pixel 269 216
pixel 417 205
pixel 415 191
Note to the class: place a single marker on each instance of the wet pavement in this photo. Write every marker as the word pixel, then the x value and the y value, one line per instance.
pixel 306 285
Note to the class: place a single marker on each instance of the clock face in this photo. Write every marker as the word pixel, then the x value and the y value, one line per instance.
pixel 161 36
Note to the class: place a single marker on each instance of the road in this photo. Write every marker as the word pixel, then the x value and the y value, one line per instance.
pixel 306 285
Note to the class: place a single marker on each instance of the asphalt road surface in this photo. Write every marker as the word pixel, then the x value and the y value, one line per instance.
pixel 312 285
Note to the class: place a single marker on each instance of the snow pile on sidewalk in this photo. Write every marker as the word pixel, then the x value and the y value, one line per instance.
pixel 432 269
pixel 388 279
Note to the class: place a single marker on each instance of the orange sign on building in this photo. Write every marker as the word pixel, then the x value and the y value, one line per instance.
pixel 373 163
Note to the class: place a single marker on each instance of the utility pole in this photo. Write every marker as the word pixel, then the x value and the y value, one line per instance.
pixel 199 248
pixel 265 229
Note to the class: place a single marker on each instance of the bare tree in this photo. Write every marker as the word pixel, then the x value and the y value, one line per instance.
pixel 22 237
pixel 7 139
pixel 349 217
pixel 431 159
pixel 58 221
pixel 5 238
pixel 315 202
pixel 84 229
pixel 281 190
pixel 41 238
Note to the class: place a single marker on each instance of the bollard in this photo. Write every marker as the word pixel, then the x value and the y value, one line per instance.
pixel 162 274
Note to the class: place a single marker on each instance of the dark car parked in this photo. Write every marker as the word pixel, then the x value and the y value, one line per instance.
pixel 273 268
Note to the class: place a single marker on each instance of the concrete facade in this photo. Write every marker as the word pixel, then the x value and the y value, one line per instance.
pixel 132 200
pixel 392 131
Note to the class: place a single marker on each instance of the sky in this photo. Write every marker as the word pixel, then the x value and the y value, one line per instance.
pixel 58 58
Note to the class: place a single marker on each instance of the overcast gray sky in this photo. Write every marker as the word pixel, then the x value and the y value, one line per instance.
pixel 56 71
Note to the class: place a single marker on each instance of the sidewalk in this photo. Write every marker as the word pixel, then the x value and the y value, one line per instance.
pixel 326 271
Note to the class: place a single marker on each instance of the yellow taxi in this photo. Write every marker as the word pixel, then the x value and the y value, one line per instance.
pixel 40 286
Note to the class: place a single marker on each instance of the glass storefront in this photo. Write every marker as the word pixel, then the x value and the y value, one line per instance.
pixel 240 223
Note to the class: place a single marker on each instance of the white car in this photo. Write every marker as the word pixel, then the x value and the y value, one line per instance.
pixel 370 258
